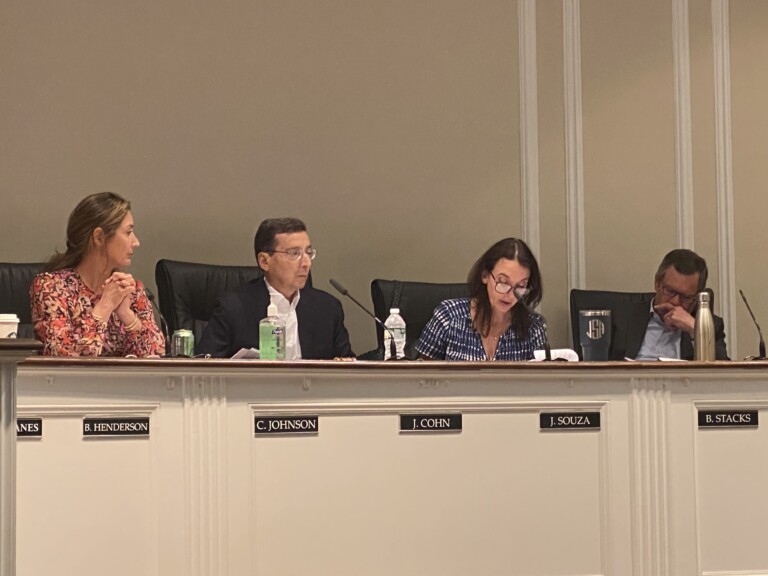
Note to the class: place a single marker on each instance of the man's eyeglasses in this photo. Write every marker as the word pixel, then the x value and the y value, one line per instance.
pixel 297 253
pixel 505 288
pixel 670 293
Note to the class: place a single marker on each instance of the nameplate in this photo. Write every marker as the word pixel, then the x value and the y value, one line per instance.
pixel 430 422
pixel 569 421
pixel 285 425
pixel 130 426
pixel 727 418
pixel 29 427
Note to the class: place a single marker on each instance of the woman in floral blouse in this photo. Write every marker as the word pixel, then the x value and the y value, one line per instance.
pixel 83 305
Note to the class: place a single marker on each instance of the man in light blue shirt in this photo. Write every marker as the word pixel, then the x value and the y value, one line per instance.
pixel 669 331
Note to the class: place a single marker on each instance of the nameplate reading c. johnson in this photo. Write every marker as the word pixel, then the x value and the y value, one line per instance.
pixel 29 427
pixel 727 418
pixel 430 422
pixel 129 426
pixel 569 421
pixel 285 425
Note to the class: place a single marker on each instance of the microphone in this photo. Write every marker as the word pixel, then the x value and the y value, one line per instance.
pixel 532 312
pixel 392 346
pixel 759 332
pixel 163 321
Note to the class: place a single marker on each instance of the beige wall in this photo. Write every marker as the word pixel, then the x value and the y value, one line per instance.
pixel 392 128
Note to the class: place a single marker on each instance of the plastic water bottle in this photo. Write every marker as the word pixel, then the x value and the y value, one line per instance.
pixel 396 326
pixel 704 331
pixel 272 336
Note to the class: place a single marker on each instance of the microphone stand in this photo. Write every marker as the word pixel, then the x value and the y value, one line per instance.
pixel 761 346
pixel 547 347
pixel 392 346
pixel 163 321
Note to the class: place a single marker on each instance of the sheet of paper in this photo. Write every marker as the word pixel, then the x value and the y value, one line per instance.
pixel 564 353
pixel 246 354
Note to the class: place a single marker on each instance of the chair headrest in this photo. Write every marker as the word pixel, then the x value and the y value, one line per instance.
pixel 15 280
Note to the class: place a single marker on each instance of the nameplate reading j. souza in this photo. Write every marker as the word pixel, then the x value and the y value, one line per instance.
pixel 727 418
pixel 129 426
pixel 569 421
pixel 29 427
pixel 285 425
pixel 430 422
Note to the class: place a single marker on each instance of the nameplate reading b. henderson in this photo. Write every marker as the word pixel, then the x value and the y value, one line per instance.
pixel 430 422
pixel 727 418
pixel 285 425
pixel 569 421
pixel 29 427
pixel 128 426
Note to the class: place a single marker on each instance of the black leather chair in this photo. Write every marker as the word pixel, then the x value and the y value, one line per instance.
pixel 15 280
pixel 416 300
pixel 188 292
pixel 617 302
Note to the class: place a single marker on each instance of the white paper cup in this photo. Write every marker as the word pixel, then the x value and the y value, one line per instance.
pixel 9 325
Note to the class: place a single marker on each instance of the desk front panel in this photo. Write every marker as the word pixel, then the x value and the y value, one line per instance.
pixel 645 493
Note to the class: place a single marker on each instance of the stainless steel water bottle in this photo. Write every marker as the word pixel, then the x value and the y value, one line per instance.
pixel 704 331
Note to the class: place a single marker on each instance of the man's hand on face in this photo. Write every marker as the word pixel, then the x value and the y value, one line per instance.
pixel 675 317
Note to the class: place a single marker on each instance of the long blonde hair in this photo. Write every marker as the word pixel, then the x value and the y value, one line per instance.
pixel 105 210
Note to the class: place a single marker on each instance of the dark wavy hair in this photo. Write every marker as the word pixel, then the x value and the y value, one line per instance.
pixel 105 210
pixel 510 249
pixel 264 241
pixel 685 262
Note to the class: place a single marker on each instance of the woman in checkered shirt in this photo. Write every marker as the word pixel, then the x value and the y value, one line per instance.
pixel 491 324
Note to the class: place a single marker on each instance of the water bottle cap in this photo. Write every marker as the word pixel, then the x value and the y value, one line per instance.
pixel 703 297
pixel 394 310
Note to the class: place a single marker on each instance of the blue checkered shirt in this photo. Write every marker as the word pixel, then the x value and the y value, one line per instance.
pixel 449 335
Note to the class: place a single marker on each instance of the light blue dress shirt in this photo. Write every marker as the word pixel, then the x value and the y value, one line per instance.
pixel 659 341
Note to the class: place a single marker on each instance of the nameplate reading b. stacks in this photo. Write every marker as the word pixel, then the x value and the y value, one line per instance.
pixel 727 418
pixel 286 425
pixel 430 422
pixel 130 426
pixel 29 427
pixel 569 421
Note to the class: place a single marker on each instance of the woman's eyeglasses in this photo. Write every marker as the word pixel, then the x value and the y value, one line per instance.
pixel 504 287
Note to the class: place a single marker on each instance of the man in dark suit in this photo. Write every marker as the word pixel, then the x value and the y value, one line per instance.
pixel 662 325
pixel 314 319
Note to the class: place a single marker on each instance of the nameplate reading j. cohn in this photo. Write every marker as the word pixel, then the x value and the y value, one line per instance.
pixel 569 421
pixel 118 426
pixel 727 418
pixel 430 422
pixel 285 425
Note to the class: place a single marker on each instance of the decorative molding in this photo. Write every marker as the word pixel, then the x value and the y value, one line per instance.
pixel 683 132
pixel 394 407
pixel 650 490
pixel 574 161
pixel 79 410
pixel 529 123
pixel 735 573
pixel 724 170
pixel 205 464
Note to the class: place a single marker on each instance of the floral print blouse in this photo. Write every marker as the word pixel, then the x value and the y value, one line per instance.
pixel 62 312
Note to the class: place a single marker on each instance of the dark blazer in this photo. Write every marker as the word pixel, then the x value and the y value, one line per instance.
pixel 629 322
pixel 234 323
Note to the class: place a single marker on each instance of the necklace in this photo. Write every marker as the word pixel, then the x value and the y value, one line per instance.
pixel 498 334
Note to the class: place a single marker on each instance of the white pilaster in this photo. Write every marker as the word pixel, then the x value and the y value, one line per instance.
pixel 724 171
pixel 574 161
